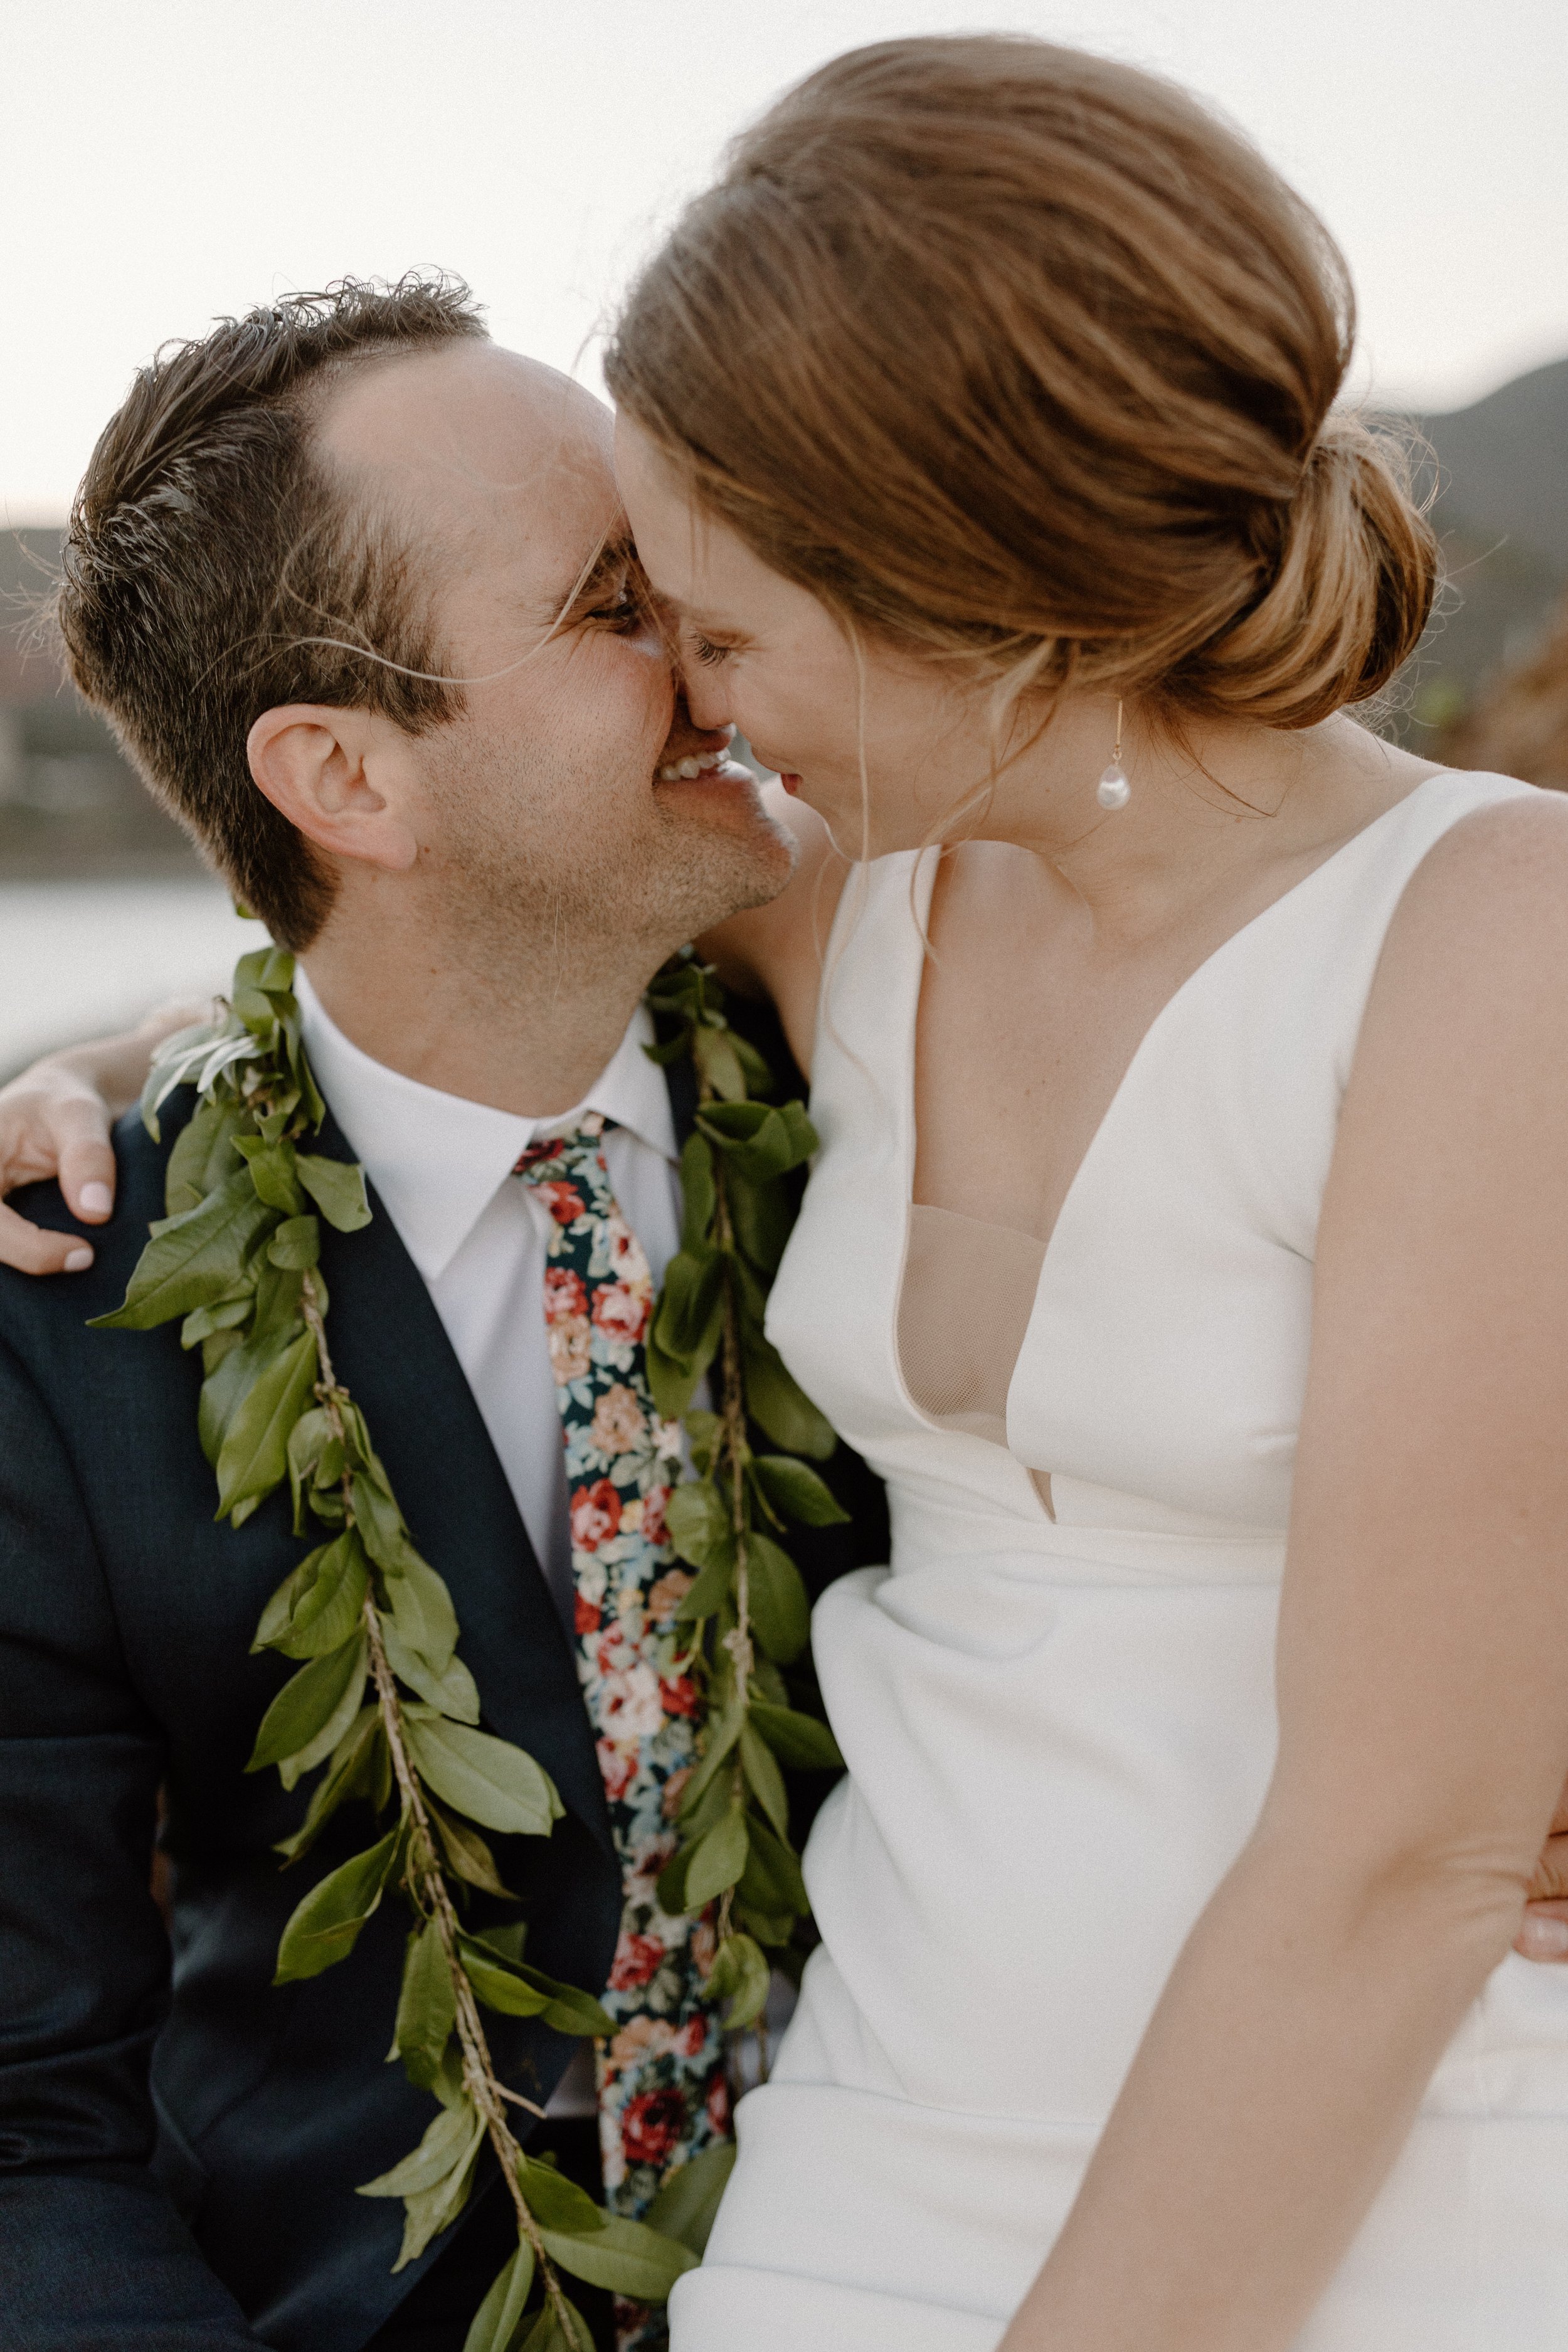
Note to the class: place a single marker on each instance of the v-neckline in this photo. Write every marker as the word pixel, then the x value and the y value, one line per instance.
pixel 925 890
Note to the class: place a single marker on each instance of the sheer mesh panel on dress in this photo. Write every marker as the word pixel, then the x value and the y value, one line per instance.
pixel 967 1296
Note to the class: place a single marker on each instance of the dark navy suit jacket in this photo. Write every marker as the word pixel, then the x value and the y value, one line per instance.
pixel 179 2153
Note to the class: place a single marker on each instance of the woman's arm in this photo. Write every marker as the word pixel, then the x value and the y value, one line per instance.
pixel 55 1120
pixel 776 951
pixel 1422 1664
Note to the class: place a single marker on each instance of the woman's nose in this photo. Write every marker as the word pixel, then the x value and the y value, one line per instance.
pixel 705 696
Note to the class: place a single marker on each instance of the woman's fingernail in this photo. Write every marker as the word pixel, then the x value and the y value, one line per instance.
pixel 97 1200
pixel 78 1261
pixel 1544 1939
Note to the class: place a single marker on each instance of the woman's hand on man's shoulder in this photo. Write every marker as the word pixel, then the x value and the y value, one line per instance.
pixel 55 1122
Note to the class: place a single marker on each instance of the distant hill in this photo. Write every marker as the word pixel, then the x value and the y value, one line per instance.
pixel 1500 479
pixel 71 805
pixel 1505 462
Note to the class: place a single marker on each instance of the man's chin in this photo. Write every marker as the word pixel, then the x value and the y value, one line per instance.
pixel 719 793
pixel 736 854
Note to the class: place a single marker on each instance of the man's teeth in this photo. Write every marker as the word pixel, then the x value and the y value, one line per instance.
pixel 695 765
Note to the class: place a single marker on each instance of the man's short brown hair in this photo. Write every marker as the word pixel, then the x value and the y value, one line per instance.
pixel 208 556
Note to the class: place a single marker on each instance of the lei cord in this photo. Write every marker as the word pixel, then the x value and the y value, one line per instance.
pixel 381 1700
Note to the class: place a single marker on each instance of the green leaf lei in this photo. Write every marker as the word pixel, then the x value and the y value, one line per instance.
pixel 383 1701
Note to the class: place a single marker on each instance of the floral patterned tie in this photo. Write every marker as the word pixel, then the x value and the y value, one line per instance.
pixel 662 2092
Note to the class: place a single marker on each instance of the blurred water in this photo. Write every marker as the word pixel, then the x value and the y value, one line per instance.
pixel 79 958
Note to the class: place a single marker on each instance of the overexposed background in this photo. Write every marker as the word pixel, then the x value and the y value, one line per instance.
pixel 174 160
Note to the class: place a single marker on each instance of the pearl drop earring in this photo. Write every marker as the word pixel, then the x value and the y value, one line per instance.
pixel 1113 791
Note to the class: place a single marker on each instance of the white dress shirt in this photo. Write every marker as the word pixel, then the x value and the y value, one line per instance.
pixel 442 1166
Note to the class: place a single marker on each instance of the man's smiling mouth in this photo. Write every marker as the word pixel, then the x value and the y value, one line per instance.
pixel 695 764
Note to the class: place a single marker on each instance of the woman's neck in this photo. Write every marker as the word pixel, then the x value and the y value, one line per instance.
pixel 1210 808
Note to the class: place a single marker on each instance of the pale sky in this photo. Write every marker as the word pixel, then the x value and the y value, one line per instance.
pixel 166 160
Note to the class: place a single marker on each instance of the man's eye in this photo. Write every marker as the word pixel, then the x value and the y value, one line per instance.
pixel 624 610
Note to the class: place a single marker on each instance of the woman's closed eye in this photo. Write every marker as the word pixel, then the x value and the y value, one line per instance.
pixel 705 651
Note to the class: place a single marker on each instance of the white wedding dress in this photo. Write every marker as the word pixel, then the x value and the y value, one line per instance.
pixel 1058 1732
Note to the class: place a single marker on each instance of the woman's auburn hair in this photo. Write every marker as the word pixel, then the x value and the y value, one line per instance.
pixel 1019 357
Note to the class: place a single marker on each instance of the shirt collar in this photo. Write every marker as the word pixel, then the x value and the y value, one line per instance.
pixel 436 1160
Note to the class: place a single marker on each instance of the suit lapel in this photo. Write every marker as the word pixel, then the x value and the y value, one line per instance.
pixel 393 1354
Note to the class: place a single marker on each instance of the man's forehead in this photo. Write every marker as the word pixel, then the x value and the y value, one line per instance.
pixel 476 438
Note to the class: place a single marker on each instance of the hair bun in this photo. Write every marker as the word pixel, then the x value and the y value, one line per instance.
pixel 1349 592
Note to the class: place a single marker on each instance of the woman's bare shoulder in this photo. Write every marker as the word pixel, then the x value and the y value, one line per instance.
pixel 1471 991
pixel 777 950
pixel 1492 894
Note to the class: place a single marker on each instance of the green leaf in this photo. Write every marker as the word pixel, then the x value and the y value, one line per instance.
pixel 427 2006
pixel 323 1698
pixel 686 2205
pixel 194 1259
pixel 454 1691
pixel 253 1456
pixel 706 1808
pixel 296 1243
pixel 315 1459
pixel 779 1609
pixel 670 1890
pixel 493 1782
pixel 556 2202
pixel 432 2160
pixel 627 2257
pixel 497 1987
pixel 690 1313
pixel 757 1141
pixel 765 1779
pixel 316 1608
pixel 467 1855
pixel 698 1194
pixel 569 2010
pixel 797 1740
pixel 420 1600
pixel 713 1051
pixel 781 1407
pixel 227 1380
pixel 717 1861
pixel 702 1429
pixel 796 1490
pixel 279 1291
pixel 566 2007
pixel 721 1732
pixel 271 1169
pixel 358 1761
pixel 762 1216
pixel 771 1882
pixel 429 2212
pixel 337 1187
pixel 711 1592
pixel 741 1976
pixel 203 1157
pixel 499 2321
pixel 269 971
pixel 547 2334
pixel 223 1315
pixel 324 1927
pixel 698 1519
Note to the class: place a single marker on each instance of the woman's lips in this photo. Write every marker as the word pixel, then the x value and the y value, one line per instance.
pixel 789 780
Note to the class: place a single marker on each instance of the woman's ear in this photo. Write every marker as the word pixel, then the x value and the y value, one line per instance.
pixel 334 775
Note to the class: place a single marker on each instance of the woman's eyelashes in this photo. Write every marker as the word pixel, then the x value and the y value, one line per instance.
pixel 705 651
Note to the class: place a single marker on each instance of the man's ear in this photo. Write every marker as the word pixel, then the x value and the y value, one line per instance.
pixel 340 778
